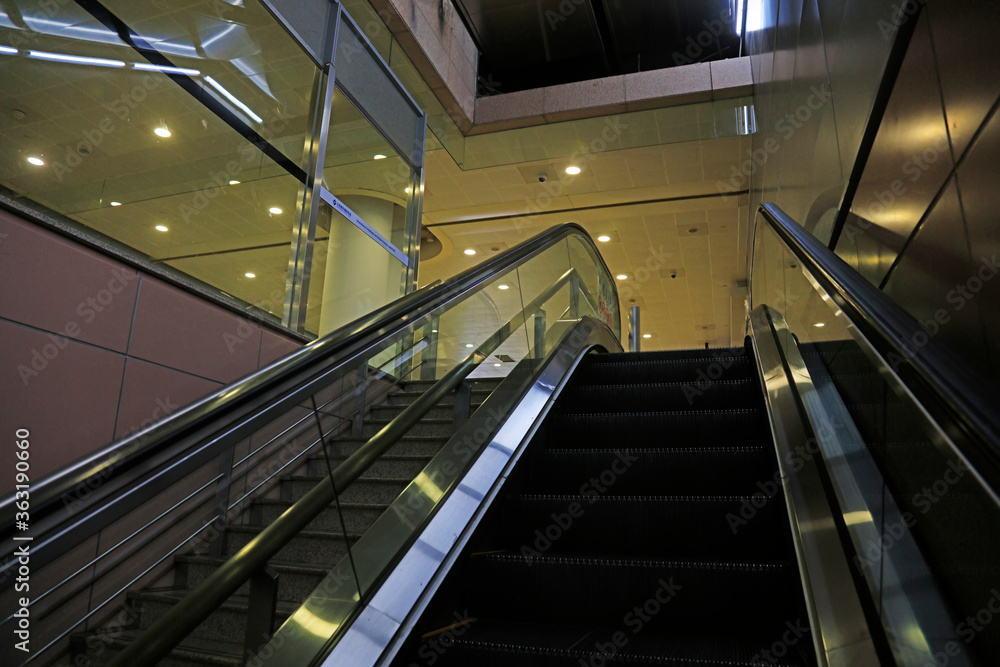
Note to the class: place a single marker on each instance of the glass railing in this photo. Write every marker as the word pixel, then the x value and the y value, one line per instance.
pixel 197 142
pixel 317 428
pixel 912 477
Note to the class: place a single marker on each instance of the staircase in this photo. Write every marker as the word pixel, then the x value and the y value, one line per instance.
pixel 303 563
pixel 645 526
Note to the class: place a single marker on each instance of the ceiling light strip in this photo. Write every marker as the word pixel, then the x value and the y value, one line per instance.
pixel 79 60
pixel 358 222
pixel 232 98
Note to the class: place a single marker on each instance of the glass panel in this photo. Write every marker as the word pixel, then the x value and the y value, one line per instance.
pixel 366 81
pixel 192 158
pixel 915 514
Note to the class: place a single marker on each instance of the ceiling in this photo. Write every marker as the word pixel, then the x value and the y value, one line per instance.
pixel 528 45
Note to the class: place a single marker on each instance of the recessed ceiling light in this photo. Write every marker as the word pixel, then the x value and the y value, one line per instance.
pixel 470 251
pixel 116 203
pixel 820 324
pixel 497 365
pixel 275 210
pixel 250 274
pixel 378 157
pixel 37 161
pixel 234 182
pixel 468 345
pixel 434 330
pixel 407 191
pixel 603 238
pixel 621 276
pixel 503 286
pixel 162 131
pixel 647 335
pixel 572 171
pixel 161 228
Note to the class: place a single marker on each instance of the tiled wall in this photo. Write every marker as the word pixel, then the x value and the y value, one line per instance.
pixel 91 349
pixel 925 223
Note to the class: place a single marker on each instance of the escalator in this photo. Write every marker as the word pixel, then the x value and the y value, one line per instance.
pixel 626 537
pixel 477 474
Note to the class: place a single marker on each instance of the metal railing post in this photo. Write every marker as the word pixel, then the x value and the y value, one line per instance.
pixel 539 333
pixel 262 604
pixel 429 355
pixel 360 389
pixel 633 329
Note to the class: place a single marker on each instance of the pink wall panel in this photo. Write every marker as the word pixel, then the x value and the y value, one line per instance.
pixel 180 330
pixel 66 393
pixel 55 284
pixel 152 392
pixel 274 346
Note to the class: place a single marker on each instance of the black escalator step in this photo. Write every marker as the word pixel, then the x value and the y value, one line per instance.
pixel 681 470
pixel 661 396
pixel 705 370
pixel 750 528
pixel 666 355
pixel 595 590
pixel 492 643
pixel 683 428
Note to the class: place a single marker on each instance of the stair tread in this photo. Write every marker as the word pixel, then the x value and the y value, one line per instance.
pixel 280 566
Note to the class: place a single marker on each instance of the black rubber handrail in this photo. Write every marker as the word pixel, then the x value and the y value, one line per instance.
pixel 119 460
pixel 180 620
pixel 963 402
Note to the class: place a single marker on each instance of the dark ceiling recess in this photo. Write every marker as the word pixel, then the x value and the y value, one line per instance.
pixel 533 43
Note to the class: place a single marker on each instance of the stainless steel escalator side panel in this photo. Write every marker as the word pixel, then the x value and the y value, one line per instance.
pixel 841 636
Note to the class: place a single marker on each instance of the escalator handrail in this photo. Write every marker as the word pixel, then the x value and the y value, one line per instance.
pixel 123 458
pixel 180 620
pixel 938 377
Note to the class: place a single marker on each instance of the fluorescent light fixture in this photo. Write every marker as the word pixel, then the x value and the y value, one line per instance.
pixel 603 238
pixel 275 210
pixel 739 16
pixel 161 228
pixel 8 50
pixel 378 157
pixel 79 60
pixel 116 203
pixel 572 171
pixel 166 70
pixel 234 182
pixel 503 286
pixel 820 324
pixel 162 131
pixel 621 276
pixel 232 98
pixel 250 274
pixel 37 161
pixel 755 15
pixel 470 251
pixel 647 335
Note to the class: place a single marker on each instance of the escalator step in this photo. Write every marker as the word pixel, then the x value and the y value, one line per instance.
pixel 696 354
pixel 660 396
pixel 676 471
pixel 675 527
pixel 564 589
pixel 686 428
pixel 492 643
pixel 679 370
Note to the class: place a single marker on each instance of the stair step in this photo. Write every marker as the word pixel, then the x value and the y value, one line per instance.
pixel 563 589
pixel 364 490
pixel 99 650
pixel 389 466
pixel 225 623
pixel 315 548
pixel 438 428
pixel 619 371
pixel 477 396
pixel 662 396
pixel 358 517
pixel 695 354
pixel 500 643
pixel 295 582
pixel 391 411
pixel 684 428
pixel 674 527
pixel 678 471
pixel 407 445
